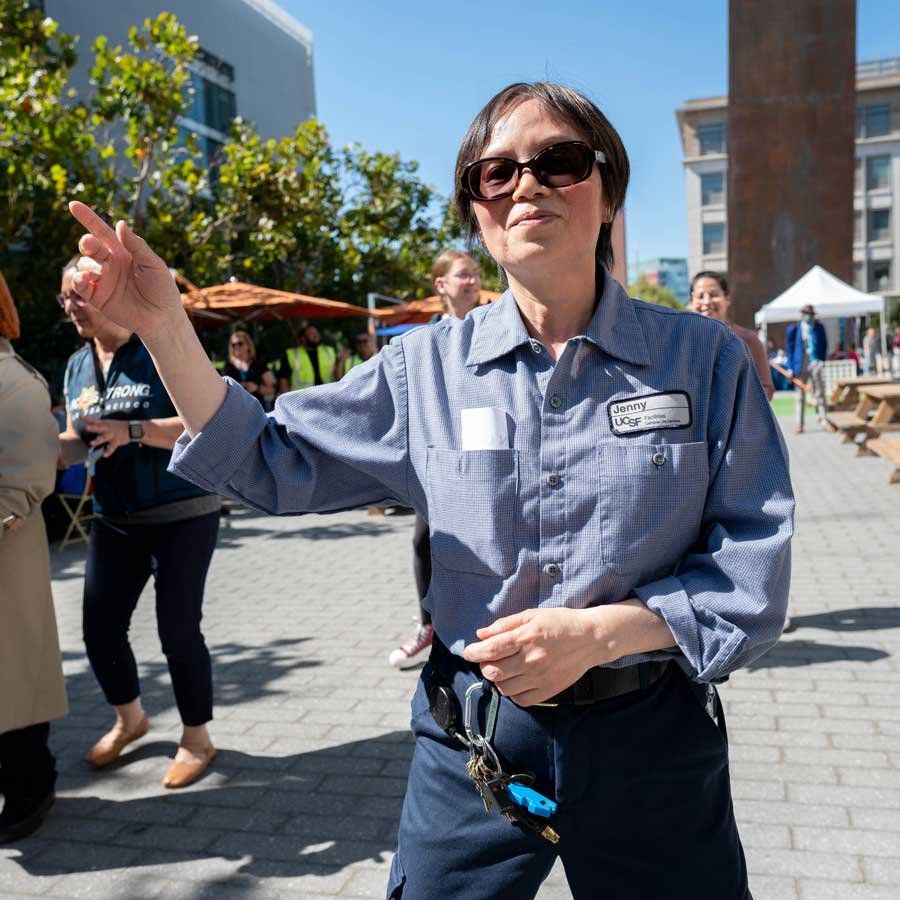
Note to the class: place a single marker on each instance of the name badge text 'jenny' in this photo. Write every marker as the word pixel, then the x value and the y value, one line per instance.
pixel 652 412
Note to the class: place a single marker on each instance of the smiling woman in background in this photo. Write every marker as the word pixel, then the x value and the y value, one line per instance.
pixel 710 297
pixel 610 516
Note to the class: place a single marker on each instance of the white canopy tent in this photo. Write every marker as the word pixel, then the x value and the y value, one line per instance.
pixel 829 296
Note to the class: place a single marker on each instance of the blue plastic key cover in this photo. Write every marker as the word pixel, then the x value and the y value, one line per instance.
pixel 536 803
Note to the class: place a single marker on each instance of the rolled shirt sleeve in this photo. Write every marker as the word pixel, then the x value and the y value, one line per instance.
pixel 726 602
pixel 327 448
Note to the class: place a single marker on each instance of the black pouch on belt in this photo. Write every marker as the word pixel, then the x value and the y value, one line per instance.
pixel 446 709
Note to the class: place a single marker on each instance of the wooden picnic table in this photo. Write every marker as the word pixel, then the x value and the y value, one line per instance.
pixel 884 400
pixel 845 392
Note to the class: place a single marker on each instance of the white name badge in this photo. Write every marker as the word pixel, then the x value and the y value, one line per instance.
pixel 652 412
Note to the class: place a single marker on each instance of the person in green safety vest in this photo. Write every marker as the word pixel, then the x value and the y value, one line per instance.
pixel 311 363
pixel 365 349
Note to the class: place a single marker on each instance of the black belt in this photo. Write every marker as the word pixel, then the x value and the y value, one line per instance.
pixel 597 684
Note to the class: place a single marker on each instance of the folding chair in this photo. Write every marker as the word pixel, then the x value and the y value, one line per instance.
pixel 74 492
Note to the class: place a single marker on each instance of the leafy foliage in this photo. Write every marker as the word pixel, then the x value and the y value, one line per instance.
pixel 653 293
pixel 292 213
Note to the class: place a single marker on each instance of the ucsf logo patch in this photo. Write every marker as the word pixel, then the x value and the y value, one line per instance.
pixel 652 412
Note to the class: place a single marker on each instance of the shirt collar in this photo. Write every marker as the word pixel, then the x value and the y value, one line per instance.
pixel 614 328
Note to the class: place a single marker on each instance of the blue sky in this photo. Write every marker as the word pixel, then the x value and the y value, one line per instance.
pixel 409 77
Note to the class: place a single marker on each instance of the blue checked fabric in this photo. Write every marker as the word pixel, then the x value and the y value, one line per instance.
pixel 694 520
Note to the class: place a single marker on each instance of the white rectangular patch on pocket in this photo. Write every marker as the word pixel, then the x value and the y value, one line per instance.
pixel 484 428
pixel 652 412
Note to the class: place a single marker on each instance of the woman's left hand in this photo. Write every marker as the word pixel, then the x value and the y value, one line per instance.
pixel 112 432
pixel 535 654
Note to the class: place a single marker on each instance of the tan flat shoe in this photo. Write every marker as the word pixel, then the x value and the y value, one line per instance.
pixel 181 774
pixel 108 749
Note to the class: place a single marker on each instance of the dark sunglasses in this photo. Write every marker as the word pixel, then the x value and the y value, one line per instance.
pixel 238 344
pixel 61 299
pixel 556 166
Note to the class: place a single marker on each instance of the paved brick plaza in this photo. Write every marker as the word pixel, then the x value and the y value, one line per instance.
pixel 311 724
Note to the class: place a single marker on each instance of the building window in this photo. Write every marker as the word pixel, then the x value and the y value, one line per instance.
pixel 859 276
pixel 712 189
pixel 878 172
pixel 857 226
pixel 212 105
pixel 880 275
pixel 874 120
pixel 858 176
pixel 879 225
pixel 713 238
pixel 711 138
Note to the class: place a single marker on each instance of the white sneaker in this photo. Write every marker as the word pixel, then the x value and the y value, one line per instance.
pixel 415 650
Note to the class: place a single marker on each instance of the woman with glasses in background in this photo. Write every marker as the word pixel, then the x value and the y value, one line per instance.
pixel 251 373
pixel 147 523
pixel 609 510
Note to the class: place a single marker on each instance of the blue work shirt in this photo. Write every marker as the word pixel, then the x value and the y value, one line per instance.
pixel 586 505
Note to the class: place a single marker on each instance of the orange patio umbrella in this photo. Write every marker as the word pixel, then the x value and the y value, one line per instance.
pixel 422 310
pixel 240 301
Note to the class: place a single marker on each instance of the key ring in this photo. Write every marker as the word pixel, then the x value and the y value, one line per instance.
pixel 481 743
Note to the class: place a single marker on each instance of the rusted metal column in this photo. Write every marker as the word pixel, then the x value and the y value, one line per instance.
pixel 791 121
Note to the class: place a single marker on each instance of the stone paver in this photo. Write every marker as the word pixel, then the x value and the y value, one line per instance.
pixel 312 725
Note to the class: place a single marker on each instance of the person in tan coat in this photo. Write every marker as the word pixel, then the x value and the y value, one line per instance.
pixel 32 691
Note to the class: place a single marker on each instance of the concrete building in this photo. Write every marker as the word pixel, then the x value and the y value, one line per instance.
pixel 876 235
pixel 255 60
pixel 663 272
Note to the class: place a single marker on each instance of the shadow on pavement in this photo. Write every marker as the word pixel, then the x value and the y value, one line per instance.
pixel 863 618
pixel 794 653
pixel 307 814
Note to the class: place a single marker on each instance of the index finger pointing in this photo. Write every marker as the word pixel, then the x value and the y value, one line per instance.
pixel 94 224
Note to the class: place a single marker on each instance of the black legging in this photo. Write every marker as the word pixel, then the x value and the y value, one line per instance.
pixel 422 565
pixel 120 560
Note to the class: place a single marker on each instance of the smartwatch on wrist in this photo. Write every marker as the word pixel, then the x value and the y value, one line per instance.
pixel 135 431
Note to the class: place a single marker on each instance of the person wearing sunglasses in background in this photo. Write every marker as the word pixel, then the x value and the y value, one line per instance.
pixel 147 522
pixel 457 280
pixel 710 298
pixel 610 514
pixel 252 373
pixel 365 350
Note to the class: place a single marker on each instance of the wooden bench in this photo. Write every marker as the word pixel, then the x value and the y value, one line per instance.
pixel 889 450
pixel 848 424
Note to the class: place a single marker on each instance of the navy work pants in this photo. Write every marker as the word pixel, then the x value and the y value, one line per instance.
pixel 644 799
pixel 120 560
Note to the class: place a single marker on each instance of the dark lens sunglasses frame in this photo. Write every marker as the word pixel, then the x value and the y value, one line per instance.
pixel 470 182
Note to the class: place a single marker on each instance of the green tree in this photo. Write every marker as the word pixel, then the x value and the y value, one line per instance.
pixel 653 293
pixel 291 213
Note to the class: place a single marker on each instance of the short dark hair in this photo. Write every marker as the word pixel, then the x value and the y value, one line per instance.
pixel 716 276
pixel 573 108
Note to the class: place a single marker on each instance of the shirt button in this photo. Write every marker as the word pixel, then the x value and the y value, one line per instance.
pixel 553 479
pixel 556 401
pixel 551 569
pixel 659 458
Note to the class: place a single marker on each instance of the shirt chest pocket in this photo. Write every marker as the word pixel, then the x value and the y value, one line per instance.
pixel 473 509
pixel 651 503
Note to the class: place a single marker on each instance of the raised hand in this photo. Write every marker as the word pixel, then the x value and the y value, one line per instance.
pixel 119 274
